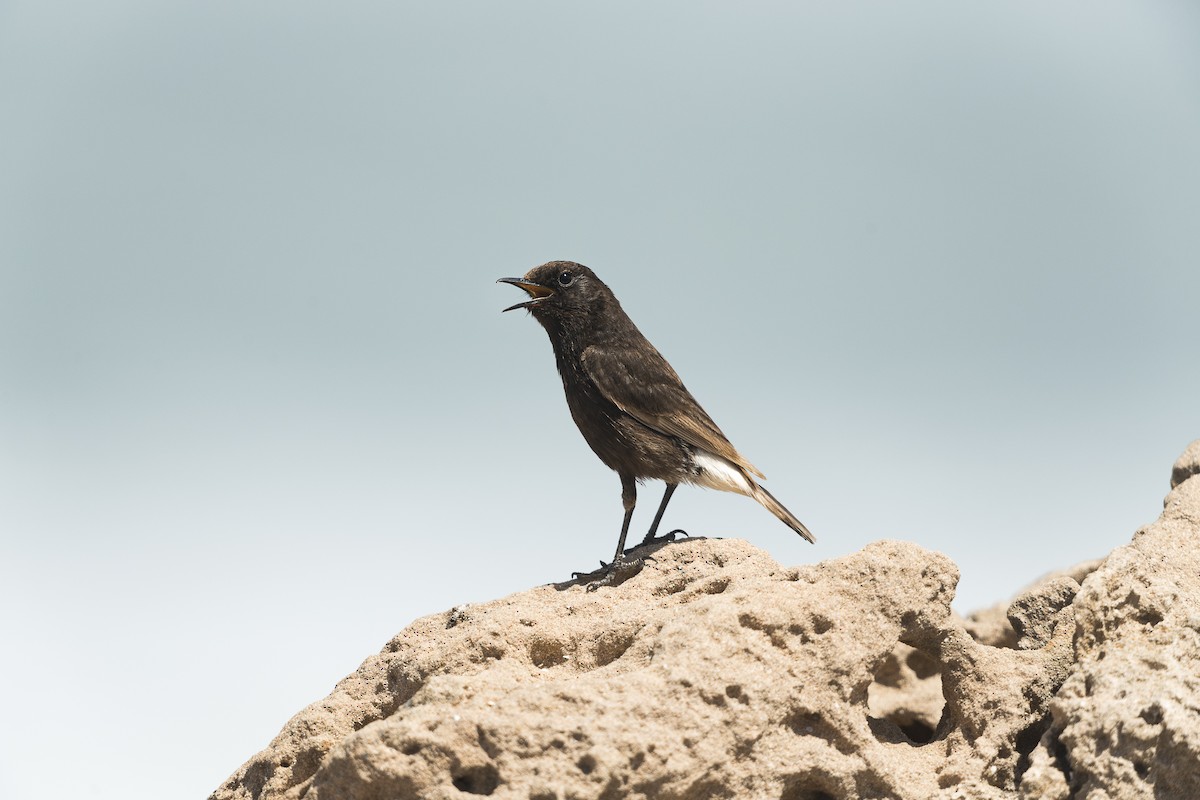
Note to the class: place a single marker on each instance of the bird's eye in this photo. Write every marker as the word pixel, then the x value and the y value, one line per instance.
pixel 565 279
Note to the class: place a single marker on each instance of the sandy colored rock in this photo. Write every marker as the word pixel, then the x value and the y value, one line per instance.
pixel 1186 465
pixel 907 691
pixel 992 625
pixel 713 673
pixel 1035 614
pixel 716 673
pixel 1126 723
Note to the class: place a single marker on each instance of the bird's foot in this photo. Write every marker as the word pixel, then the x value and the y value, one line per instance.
pixel 666 537
pixel 614 574
pixel 575 576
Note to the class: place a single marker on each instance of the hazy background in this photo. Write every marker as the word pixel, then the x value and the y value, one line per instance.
pixel 932 266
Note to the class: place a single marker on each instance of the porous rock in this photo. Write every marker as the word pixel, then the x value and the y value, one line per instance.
pixel 716 673
pixel 1126 723
pixel 1037 612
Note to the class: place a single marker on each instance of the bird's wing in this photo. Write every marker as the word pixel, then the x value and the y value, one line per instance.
pixel 642 384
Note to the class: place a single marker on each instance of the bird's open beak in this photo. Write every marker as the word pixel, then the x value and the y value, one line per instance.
pixel 537 292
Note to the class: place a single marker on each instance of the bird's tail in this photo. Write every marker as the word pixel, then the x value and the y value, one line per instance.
pixel 775 507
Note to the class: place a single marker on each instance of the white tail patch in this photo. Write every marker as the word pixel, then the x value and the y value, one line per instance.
pixel 720 473
pixel 716 472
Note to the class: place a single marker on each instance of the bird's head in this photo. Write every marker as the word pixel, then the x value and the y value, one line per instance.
pixel 560 290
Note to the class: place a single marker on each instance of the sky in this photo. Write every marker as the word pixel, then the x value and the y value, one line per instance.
pixel 931 266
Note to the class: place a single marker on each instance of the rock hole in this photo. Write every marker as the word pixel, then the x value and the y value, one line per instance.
pixel 907 692
pixel 805 722
pixel 750 621
pixel 1027 741
pixel 587 764
pixel 922 664
pixel 918 732
pixel 1141 769
pixel 947 780
pixel 410 748
pixel 671 586
pixel 1062 759
pixel 735 692
pixel 810 785
pixel 482 779
pixel 870 783
pixel 545 653
pixel 1150 616
pixel 715 586
pixel 492 650
pixel 485 742
pixel 612 645
pixel 1029 738
pixel 821 624
pixel 707 788
pixel 1152 715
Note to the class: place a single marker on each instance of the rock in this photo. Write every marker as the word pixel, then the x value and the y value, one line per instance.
pixel 1037 612
pixel 993 625
pixel 1126 723
pixel 990 626
pixel 716 673
pixel 907 691
pixel 1187 464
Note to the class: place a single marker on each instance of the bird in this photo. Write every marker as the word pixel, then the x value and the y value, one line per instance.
pixel 629 403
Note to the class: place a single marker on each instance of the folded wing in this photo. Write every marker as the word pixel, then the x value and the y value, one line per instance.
pixel 642 384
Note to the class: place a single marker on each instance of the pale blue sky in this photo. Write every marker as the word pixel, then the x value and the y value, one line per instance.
pixel 932 266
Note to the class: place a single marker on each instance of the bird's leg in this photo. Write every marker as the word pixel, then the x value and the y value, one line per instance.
pixel 670 537
pixel 620 569
pixel 629 500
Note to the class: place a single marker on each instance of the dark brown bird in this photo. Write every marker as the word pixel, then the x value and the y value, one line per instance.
pixel 628 402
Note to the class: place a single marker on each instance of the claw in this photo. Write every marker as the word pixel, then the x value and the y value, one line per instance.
pixel 666 537
pixel 577 575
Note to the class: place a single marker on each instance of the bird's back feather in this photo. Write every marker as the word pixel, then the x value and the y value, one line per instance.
pixel 640 382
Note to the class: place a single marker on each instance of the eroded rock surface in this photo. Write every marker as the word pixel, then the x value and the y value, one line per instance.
pixel 716 673
pixel 1126 723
